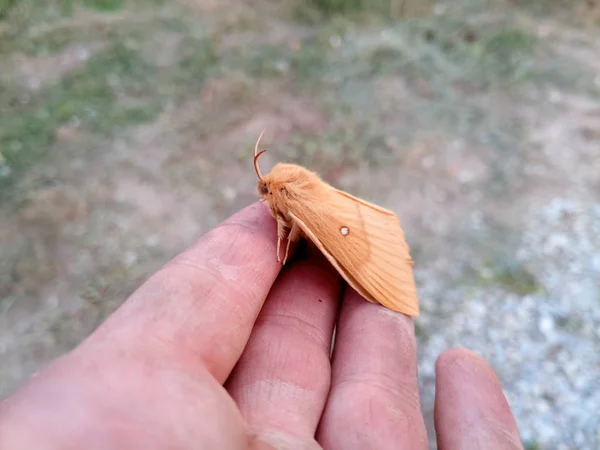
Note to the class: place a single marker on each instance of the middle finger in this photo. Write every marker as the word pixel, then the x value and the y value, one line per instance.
pixel 281 382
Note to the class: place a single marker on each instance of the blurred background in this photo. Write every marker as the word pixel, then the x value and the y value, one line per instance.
pixel 127 129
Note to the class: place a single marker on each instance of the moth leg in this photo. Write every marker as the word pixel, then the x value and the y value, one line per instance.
pixel 278 245
pixel 282 232
pixel 292 237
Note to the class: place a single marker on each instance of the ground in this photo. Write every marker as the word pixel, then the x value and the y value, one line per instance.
pixel 127 127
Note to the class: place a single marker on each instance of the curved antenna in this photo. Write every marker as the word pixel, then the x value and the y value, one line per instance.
pixel 256 155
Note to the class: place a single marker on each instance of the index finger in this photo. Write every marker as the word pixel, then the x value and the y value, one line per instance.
pixel 200 308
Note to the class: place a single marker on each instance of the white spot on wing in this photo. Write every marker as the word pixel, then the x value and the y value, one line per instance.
pixel 345 231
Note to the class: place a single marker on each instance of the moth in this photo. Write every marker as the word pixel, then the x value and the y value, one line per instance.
pixel 364 242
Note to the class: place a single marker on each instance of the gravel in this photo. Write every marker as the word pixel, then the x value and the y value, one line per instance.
pixel 544 347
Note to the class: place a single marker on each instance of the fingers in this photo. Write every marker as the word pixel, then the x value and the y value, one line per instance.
pixel 471 411
pixel 281 382
pixel 374 397
pixel 194 314
pixel 201 307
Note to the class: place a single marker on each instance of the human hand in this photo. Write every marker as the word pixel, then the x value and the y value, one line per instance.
pixel 196 359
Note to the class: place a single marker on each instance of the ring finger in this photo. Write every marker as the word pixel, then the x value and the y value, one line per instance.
pixel 374 399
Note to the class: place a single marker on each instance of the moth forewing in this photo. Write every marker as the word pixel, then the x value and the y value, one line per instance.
pixel 365 244
pixel 341 270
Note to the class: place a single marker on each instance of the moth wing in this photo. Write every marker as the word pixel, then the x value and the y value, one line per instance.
pixel 373 256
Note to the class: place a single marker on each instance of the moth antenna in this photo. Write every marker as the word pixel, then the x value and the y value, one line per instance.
pixel 257 154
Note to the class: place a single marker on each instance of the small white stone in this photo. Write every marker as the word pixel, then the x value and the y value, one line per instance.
pixel 335 41
pixel 282 65
pixel 556 242
pixel 152 240
pixel 83 54
pixel 596 263
pixel 546 325
pixel 439 10
pixel 4 170
pixel 486 273
pixel 229 193
pixel 428 162
pixel 555 97
pixel 129 258
pixel 476 220
pixel 465 176
pixel 345 231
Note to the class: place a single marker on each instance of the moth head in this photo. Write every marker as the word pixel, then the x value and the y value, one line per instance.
pixel 263 188
pixel 280 184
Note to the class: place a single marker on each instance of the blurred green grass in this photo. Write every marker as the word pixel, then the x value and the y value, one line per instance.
pixel 317 10
pixel 511 277
pixel 120 85
pixel 87 96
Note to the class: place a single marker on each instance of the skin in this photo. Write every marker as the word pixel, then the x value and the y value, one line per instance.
pixel 224 349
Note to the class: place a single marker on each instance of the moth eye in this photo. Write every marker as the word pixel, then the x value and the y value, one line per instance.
pixel 264 189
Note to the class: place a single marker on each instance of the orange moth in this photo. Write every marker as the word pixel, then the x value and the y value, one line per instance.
pixel 364 242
